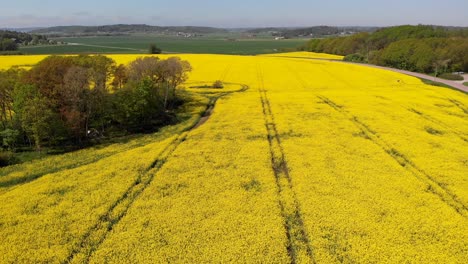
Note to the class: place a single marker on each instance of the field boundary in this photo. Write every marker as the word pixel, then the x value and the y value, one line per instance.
pixel 299 248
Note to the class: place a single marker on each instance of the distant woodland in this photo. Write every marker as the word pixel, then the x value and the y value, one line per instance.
pixel 422 48
pixel 11 40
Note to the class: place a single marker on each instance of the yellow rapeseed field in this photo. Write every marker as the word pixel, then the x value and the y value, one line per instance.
pixel 318 161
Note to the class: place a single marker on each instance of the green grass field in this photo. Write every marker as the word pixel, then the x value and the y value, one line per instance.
pixel 170 44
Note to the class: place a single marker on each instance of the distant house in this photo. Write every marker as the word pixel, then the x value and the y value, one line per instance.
pixel 279 38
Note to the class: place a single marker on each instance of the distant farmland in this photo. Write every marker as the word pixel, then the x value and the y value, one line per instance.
pixel 171 44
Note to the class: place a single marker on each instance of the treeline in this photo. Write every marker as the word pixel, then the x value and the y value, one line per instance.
pixel 10 40
pixel 322 31
pixel 125 28
pixel 316 31
pixel 73 100
pixel 428 49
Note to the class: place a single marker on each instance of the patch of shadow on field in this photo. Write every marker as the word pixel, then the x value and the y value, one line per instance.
pixel 444 105
pixel 361 134
pixel 7 183
pixel 252 186
pixel 255 137
pixel 437 188
pixel 338 246
pixel 439 123
pixel 433 131
pixel 382 97
pixel 315 115
pixel 170 189
pixel 290 134
pixel 459 105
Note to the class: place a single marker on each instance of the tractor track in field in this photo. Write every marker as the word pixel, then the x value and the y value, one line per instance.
pixel 212 103
pixel 433 186
pixel 299 248
pixel 438 122
pixel 8 185
pixel 453 84
pixel 456 103
pixel 94 237
pixel 459 105
pixel 419 113
pixel 225 72
pixel 97 234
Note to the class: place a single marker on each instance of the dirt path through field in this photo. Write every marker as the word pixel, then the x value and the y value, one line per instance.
pixel 100 46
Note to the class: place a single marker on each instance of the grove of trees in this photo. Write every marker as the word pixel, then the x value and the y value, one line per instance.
pixel 427 49
pixel 10 40
pixel 72 100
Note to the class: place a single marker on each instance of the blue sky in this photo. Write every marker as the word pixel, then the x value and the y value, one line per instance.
pixel 237 13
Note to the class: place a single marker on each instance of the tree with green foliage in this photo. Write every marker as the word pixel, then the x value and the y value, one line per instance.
pixel 8 80
pixel 120 77
pixel 37 119
pixel 8 45
pixel 8 139
pixel 153 49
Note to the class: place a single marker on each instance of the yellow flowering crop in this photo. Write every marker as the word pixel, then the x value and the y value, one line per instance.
pixel 316 162
pixel 306 55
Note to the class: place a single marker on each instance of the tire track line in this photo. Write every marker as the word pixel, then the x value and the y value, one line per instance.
pixel 433 185
pixel 97 234
pixel 299 248
pixel 94 237
pixel 438 122
pixel 226 72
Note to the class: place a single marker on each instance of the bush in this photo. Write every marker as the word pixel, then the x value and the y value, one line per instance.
pixel 451 76
pixel 356 57
pixel 218 84
pixel 465 83
pixel 11 53
pixel 153 49
pixel 8 139
pixel 7 158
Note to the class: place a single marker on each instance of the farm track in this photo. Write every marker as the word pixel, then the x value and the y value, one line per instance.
pixel 212 104
pixel 299 248
pixel 107 47
pixel 433 185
